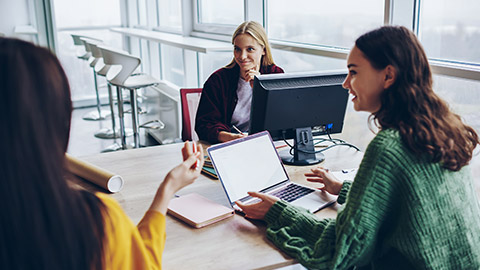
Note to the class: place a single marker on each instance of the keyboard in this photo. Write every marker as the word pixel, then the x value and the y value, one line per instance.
pixel 292 192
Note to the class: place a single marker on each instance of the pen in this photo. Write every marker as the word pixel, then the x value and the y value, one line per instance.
pixel 194 146
pixel 237 130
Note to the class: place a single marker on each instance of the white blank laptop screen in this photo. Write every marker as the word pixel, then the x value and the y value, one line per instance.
pixel 249 165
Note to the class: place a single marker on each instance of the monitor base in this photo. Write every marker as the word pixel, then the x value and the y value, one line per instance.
pixel 288 159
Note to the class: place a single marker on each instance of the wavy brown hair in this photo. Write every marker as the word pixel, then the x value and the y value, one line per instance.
pixel 424 120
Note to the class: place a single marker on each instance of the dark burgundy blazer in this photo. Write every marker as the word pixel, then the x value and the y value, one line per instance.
pixel 218 101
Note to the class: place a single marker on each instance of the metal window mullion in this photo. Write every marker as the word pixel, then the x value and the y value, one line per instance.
pixel 388 12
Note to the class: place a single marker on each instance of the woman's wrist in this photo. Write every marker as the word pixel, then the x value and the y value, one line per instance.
pixel 164 193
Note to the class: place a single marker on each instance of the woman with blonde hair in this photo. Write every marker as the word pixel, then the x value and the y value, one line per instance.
pixel 227 93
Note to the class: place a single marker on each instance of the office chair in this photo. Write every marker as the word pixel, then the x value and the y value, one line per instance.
pixel 120 74
pixel 189 98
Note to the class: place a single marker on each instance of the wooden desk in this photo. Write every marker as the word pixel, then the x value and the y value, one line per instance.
pixel 235 243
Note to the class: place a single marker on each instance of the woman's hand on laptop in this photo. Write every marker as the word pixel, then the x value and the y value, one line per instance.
pixel 258 210
pixel 330 183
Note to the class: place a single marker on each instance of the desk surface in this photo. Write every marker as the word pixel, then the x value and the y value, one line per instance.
pixel 234 243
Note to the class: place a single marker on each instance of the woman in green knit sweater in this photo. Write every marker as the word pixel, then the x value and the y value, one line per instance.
pixel 413 203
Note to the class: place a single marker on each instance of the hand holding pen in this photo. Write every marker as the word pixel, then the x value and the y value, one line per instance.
pixel 225 136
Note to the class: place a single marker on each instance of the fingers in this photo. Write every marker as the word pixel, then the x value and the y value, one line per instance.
pixel 201 157
pixel 316 180
pixel 192 159
pixel 187 150
pixel 250 74
pixel 241 135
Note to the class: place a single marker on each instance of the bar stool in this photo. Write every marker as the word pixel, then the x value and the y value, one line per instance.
pixel 120 74
pixel 99 114
pixel 80 47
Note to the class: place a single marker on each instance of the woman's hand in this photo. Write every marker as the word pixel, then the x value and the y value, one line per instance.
pixel 330 183
pixel 182 175
pixel 224 136
pixel 250 74
pixel 258 210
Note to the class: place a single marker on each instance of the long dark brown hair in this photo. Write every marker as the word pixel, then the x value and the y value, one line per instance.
pixel 44 223
pixel 424 120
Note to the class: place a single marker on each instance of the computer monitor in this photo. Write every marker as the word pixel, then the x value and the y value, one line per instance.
pixel 299 106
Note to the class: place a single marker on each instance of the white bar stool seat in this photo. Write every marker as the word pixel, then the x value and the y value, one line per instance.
pixel 121 75
pixel 101 69
pixel 99 114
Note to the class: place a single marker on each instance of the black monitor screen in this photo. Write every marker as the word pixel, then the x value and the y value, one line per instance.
pixel 285 103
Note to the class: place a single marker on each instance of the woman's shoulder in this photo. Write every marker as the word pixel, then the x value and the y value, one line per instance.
pixel 222 74
pixel 387 136
pixel 271 69
pixel 113 210
pixel 386 141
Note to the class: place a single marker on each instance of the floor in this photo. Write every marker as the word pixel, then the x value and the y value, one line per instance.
pixel 82 139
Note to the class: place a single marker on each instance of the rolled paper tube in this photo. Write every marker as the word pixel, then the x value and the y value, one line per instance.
pixel 94 174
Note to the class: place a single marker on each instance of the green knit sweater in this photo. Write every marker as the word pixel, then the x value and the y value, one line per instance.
pixel 401 212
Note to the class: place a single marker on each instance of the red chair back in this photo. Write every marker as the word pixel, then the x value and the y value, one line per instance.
pixel 189 98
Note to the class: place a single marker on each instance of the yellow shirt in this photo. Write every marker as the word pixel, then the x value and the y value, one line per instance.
pixel 128 246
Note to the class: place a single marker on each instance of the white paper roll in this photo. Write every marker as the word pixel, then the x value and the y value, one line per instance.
pixel 94 174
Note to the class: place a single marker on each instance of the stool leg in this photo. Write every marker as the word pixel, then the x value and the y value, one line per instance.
pixel 112 113
pixel 99 114
pixel 133 103
pixel 120 117
pixel 99 109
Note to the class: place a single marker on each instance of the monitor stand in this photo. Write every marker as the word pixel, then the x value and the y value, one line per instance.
pixel 303 141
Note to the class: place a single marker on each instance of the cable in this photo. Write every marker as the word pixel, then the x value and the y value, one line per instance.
pixel 336 142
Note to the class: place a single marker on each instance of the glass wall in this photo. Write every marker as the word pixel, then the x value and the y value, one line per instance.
pixel 170 15
pixel 450 30
pixel 300 62
pixel 93 22
pixel 221 12
pixel 173 64
pixel 328 23
pixel 462 95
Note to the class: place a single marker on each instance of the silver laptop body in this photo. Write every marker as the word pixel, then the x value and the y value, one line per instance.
pixel 252 164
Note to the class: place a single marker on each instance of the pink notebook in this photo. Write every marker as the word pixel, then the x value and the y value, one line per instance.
pixel 198 211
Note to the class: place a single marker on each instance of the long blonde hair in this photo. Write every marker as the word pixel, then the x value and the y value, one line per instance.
pixel 255 30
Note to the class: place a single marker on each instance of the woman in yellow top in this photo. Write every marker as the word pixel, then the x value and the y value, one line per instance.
pixel 45 224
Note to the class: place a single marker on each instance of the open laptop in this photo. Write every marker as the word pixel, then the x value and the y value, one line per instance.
pixel 252 164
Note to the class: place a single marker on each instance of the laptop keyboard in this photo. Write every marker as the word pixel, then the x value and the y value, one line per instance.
pixel 292 192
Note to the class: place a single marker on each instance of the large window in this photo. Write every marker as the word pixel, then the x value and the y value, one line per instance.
pixel 221 11
pixel 462 95
pixel 170 15
pixel 450 30
pixel 93 22
pixel 106 12
pixel 315 35
pixel 173 64
pixel 330 23
pixel 212 61
pixel 299 62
